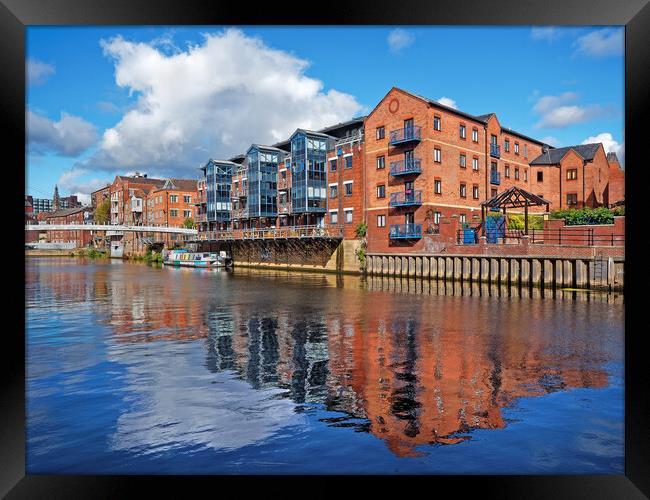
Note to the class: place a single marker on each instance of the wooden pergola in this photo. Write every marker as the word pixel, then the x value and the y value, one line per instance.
pixel 514 197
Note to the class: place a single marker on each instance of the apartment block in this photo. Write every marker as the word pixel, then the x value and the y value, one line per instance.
pixel 435 162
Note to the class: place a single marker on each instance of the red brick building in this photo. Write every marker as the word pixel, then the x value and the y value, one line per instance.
pixel 168 205
pixel 616 180
pixel 572 177
pixel 76 215
pixel 435 162
pixel 124 208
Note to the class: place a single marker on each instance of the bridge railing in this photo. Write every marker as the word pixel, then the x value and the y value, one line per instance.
pixel 329 231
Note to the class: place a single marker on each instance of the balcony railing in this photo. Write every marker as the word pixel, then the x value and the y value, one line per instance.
pixel 495 177
pixel 405 167
pixel 404 135
pixel 201 218
pixel 406 199
pixel 495 150
pixel 405 231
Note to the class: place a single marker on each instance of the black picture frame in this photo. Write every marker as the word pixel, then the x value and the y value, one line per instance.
pixel 15 15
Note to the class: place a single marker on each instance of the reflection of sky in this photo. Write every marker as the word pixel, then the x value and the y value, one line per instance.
pixel 178 406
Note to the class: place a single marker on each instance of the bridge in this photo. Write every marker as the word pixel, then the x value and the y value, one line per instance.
pixel 114 228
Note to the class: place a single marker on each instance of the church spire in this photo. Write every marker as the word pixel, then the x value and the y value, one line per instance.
pixel 55 199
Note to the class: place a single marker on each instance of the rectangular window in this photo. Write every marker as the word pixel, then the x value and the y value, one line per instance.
pixel 348 189
pixel 506 171
pixel 381 191
pixel 173 198
pixel 571 174
pixel 475 134
pixel 475 191
pixel 187 214
pixel 572 198
pixel 173 212
pixel 437 155
pixel 334 217
pixel 381 133
pixel 187 198
pixel 493 192
pixel 516 148
pixel 437 186
pixel 462 131
pixel 517 173
pixel 436 122
pixel 381 221
pixel 540 176
pixel 525 150
pixel 463 190
pixel 462 218
pixel 463 161
pixel 525 175
pixel 348 216
pixel 348 161
pixel 436 217
pixel 333 165
pixel 334 191
pixel 381 162
pixel 506 145
pixel 475 163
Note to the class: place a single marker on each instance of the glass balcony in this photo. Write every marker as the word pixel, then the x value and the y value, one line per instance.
pixel 495 177
pixel 495 150
pixel 404 135
pixel 405 231
pixel 405 167
pixel 406 199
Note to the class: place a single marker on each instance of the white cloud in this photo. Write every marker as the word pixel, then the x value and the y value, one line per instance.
pixel 213 99
pixel 550 140
pixel 37 71
pixel 399 39
pixel 601 43
pixel 70 182
pixel 446 101
pixel 559 112
pixel 548 33
pixel 70 136
pixel 610 145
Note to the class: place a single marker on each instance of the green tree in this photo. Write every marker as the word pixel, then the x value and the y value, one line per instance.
pixel 188 223
pixel 102 212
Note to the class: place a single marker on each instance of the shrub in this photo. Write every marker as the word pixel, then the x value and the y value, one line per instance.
pixel 618 211
pixel 516 221
pixel 361 230
pixel 584 216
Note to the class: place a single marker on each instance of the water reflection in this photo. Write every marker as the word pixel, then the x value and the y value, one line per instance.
pixel 414 363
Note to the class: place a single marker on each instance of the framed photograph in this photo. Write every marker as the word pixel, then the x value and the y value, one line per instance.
pixel 387 241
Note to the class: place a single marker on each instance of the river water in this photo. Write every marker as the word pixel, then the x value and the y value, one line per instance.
pixel 137 369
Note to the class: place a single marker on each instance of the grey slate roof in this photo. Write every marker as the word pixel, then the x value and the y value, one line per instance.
pixel 553 156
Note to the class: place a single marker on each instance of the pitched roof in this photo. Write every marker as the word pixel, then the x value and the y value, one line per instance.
pixel 178 185
pixel 64 212
pixel 555 155
pixel 611 157
pixel 141 180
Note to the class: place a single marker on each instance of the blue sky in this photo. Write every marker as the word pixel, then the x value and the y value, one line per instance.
pixel 161 100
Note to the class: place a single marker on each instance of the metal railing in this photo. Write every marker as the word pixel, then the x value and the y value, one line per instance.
pixel 329 231
pixel 405 167
pixel 495 150
pixel 405 231
pixel 575 236
pixel 407 134
pixel 405 199
pixel 495 177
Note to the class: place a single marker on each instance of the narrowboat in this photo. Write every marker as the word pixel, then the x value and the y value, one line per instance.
pixel 184 258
